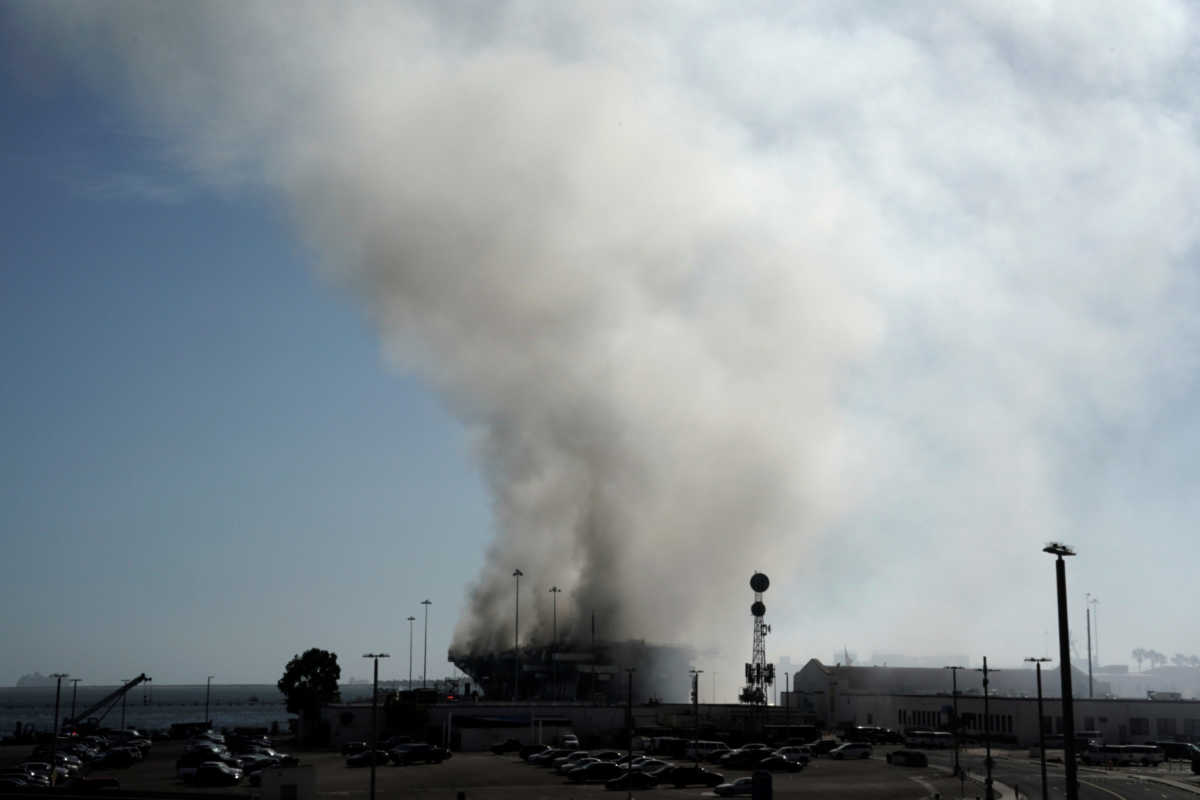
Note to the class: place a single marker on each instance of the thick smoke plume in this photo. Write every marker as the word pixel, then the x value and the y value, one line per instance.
pixel 857 295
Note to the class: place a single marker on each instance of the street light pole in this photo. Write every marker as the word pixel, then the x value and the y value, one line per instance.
pixel 554 593
pixel 517 636
pixel 411 620
pixel 787 706
pixel 988 791
pixel 425 658
pixel 1088 620
pixel 695 673
pixel 374 724
pixel 629 723
pixel 207 695
pixel 1064 666
pixel 1041 724
pixel 58 676
pixel 74 692
pixel 954 693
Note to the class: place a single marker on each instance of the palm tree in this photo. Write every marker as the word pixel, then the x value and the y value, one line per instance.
pixel 1139 655
pixel 1156 658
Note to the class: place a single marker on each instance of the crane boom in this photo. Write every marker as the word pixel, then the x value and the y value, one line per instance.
pixel 107 703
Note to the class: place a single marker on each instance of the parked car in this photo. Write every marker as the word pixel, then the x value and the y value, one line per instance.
pixel 572 759
pixel 781 764
pixel 795 753
pixel 907 758
pixel 823 747
pixel 851 750
pixel 418 754
pixel 632 780
pixel 528 751
pixel 743 758
pixel 1184 751
pixel 649 764
pixel 216 773
pixel 740 786
pixel 507 746
pixel 364 759
pixel 570 741
pixel 567 766
pixel 354 748
pixel 187 764
pixel 688 775
pixel 546 757
pixel 599 772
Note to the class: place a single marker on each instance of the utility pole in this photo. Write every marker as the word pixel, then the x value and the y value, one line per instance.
pixel 425 657
pixel 411 620
pixel 988 791
pixel 1041 723
pixel 374 723
pixel 207 695
pixel 695 673
pixel 1087 602
pixel 954 694
pixel 517 636
pixel 58 676
pixel 787 706
pixel 1064 666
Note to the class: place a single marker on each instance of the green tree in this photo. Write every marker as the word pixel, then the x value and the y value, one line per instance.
pixel 310 681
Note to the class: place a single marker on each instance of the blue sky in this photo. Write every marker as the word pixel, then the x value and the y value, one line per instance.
pixel 204 448
pixel 307 313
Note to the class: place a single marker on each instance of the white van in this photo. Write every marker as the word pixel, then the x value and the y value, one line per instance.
pixel 703 750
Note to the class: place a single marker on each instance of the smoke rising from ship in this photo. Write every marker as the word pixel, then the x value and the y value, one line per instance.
pixel 841 294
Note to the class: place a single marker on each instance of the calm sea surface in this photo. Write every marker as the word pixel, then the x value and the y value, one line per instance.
pixel 149 707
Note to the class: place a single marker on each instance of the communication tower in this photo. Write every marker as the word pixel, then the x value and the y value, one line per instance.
pixel 759 674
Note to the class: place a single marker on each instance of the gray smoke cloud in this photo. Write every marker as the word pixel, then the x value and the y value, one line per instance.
pixel 861 295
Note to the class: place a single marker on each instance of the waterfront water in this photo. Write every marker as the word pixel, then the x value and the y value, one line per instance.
pixel 149 707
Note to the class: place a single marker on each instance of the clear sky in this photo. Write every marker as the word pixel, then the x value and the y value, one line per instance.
pixel 310 316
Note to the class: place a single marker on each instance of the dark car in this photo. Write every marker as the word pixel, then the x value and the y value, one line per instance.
pixel 600 772
pixel 780 764
pixel 365 758
pixel 907 758
pixel 215 773
pixel 418 754
pixel 851 750
pixel 740 786
pixel 632 780
pixel 354 748
pixel 743 758
pixel 528 751
pixel 507 746
pixel 684 775
pixel 1183 751
pixel 824 746
pixel 546 757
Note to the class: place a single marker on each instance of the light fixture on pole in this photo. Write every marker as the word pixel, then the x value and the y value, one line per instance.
pixel 58 676
pixel 207 695
pixel 955 725
pixel 1041 723
pixel 411 620
pixel 1059 551
pixel 374 718
pixel 425 658
pixel 517 636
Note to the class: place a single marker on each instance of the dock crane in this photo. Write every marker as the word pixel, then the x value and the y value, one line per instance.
pixel 91 722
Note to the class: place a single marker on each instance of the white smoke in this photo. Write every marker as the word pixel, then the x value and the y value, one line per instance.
pixel 852 294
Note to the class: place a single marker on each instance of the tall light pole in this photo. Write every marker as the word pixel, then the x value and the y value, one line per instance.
pixel 954 694
pixel 629 742
pixel 1041 725
pixel 1059 551
pixel 207 695
pixel 988 791
pixel 787 706
pixel 58 676
pixel 517 636
pixel 695 673
pixel 411 620
pixel 425 658
pixel 1087 604
pixel 74 692
pixel 554 593
pixel 374 724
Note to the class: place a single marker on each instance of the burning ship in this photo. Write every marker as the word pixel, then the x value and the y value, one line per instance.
pixel 570 673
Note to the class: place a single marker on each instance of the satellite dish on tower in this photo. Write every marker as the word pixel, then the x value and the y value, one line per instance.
pixel 759 582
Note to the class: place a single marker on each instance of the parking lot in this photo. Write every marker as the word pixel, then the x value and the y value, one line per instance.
pixel 484 776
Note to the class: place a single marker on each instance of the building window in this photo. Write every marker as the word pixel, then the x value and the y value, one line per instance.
pixel 1165 727
pixel 1139 726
